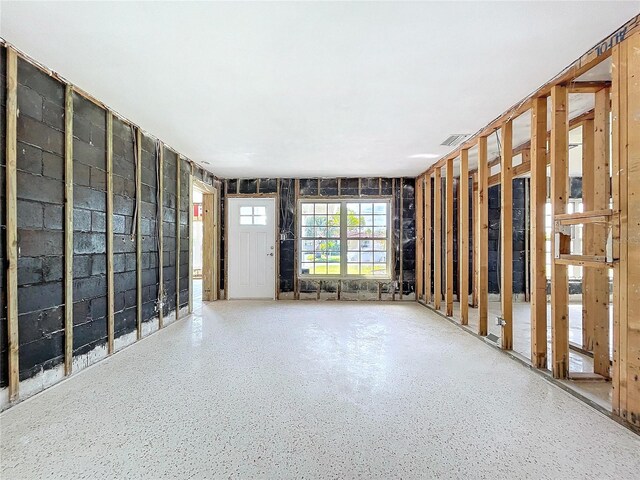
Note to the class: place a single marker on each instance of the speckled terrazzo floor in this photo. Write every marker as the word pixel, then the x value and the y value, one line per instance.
pixel 311 390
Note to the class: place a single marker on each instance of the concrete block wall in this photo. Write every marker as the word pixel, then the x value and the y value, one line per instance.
pixel 40 205
pixel 89 226
pixel 169 230
pixel 124 239
pixel 40 179
pixel 185 211
pixel 149 229
pixel 328 187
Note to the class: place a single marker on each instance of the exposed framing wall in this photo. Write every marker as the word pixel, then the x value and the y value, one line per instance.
pixel 625 101
pixel 289 190
pixel 86 274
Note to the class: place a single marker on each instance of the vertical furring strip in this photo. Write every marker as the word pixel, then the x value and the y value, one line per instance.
pixel 68 231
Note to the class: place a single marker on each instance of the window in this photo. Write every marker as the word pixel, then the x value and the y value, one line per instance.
pixel 345 238
pixel 253 215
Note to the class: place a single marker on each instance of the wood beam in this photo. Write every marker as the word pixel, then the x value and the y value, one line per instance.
pixel 626 195
pixel 110 289
pixel 437 239
pixel 68 230
pixel 208 233
pixel 419 237
pixel 537 207
pixel 178 162
pixel 588 87
pixel 483 237
pixel 11 198
pixel 601 199
pixel 190 219
pixel 560 242
pixel 449 239
pixel 506 236
pixel 138 234
pixel 428 232
pixel 588 184
pixel 474 223
pixel 463 245
pixel 161 238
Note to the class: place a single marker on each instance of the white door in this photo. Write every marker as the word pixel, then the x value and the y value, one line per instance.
pixel 251 248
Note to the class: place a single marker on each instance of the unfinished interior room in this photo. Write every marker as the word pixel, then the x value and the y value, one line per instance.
pixel 286 240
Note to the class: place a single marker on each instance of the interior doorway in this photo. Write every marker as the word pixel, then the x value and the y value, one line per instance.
pixel 251 247
pixel 204 247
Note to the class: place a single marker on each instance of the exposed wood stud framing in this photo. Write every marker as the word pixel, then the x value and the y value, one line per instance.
pixel 474 223
pixel 506 236
pixel 68 230
pixel 110 290
pixel 208 233
pixel 449 239
pixel 190 217
pixel 483 237
pixel 588 245
pixel 296 194
pixel 437 239
pixel 428 232
pixel 560 242
pixel 601 199
pixel 463 246
pixel 419 238
pixel 178 162
pixel 161 239
pixel 12 224
pixel 538 200
pixel 138 234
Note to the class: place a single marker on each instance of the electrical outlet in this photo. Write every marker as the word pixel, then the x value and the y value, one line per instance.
pixel 283 237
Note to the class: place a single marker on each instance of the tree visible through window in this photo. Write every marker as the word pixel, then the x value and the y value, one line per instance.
pixel 344 238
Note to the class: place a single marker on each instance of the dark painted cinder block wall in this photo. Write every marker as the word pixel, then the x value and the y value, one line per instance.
pixel 41 223
pixel 40 193
pixel 401 191
pixel 89 226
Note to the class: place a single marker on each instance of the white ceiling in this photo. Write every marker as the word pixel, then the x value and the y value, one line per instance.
pixel 309 89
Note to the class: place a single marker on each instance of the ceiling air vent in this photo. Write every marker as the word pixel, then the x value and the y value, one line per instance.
pixel 455 139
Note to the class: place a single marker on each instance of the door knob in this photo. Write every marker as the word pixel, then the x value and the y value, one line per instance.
pixel 270 254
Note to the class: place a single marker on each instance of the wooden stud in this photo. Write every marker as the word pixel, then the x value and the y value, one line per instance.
pixel 437 239
pixel 483 237
pixel 161 238
pixel 449 239
pixel 68 230
pixel 11 140
pixel 419 269
pixel 538 201
pixel 401 238
pixel 178 169
pixel 190 217
pixel 601 199
pixel 138 234
pixel 474 223
pixel 428 232
pixel 560 242
pixel 110 289
pixel 588 244
pixel 296 194
pixel 626 247
pixel 208 233
pixel 463 246
pixel 506 236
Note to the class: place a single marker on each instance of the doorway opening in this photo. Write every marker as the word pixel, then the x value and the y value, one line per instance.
pixel 204 246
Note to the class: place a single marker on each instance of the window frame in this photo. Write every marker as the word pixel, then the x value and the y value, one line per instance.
pixel 343 201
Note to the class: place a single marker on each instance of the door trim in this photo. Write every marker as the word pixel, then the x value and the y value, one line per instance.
pixel 276 270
